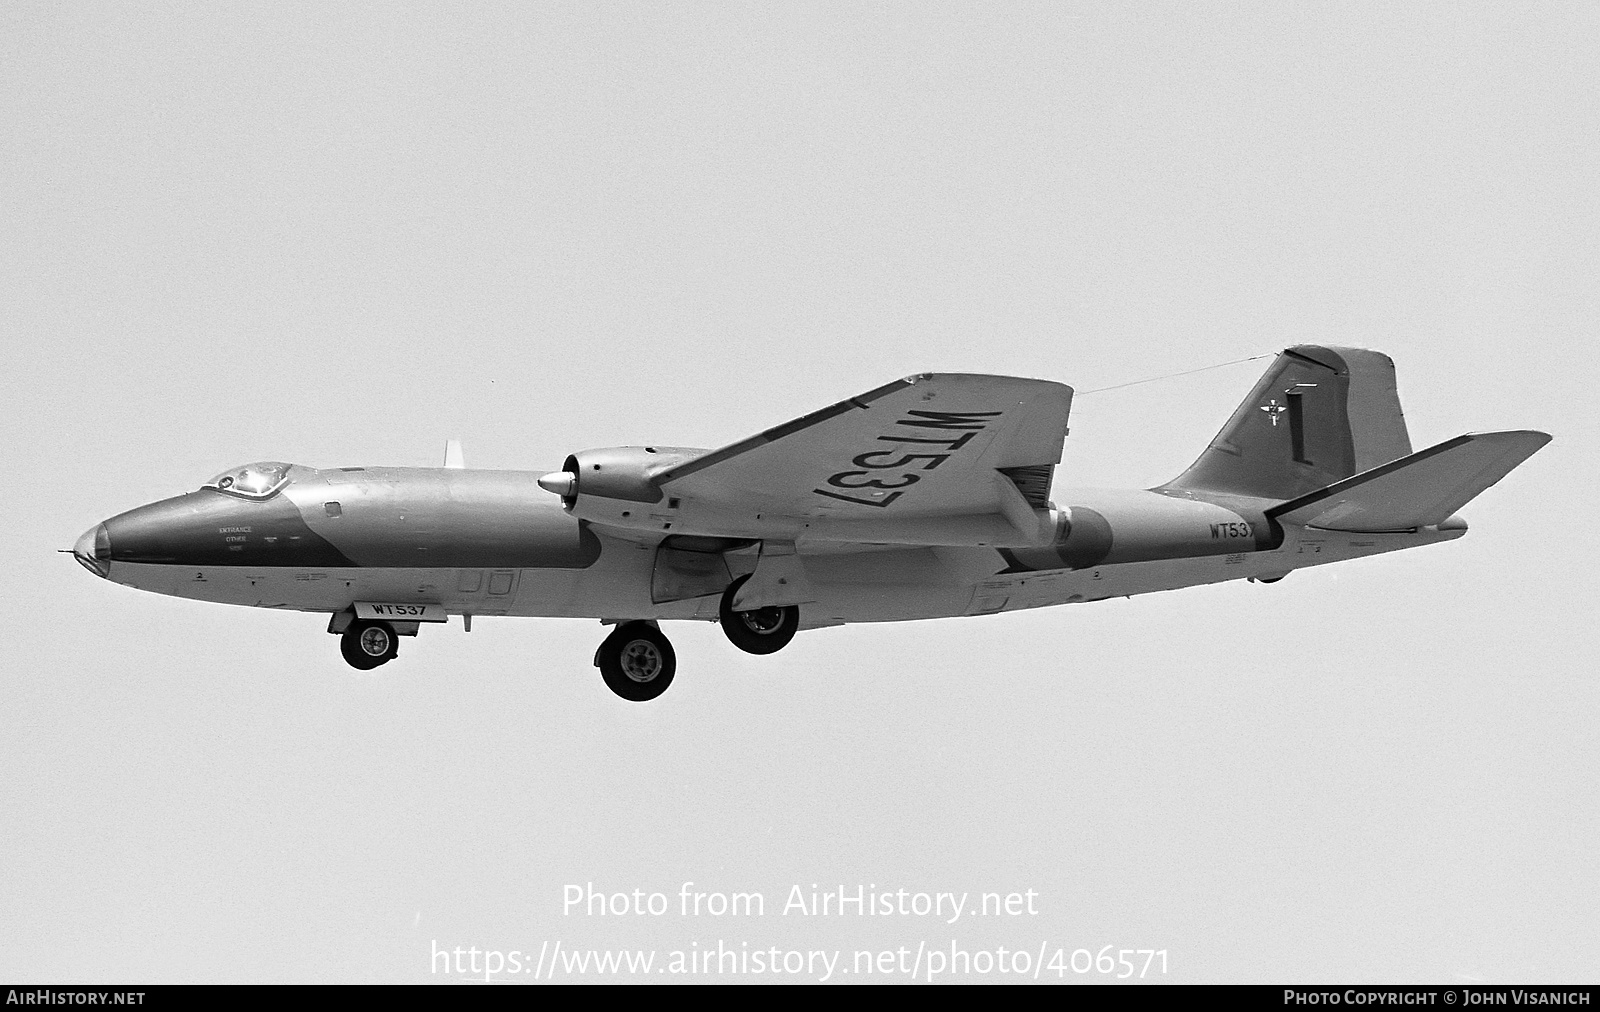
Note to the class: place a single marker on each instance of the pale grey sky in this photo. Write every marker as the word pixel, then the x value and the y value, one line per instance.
pixel 343 233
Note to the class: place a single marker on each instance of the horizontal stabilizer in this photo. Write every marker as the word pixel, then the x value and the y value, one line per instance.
pixel 1420 490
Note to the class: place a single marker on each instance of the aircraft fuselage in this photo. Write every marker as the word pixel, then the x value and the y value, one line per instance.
pixel 928 497
pixel 482 542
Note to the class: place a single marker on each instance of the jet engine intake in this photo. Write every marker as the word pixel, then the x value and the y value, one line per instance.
pixel 621 473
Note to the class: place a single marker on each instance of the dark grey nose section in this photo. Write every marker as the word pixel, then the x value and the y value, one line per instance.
pixel 93 550
pixel 211 528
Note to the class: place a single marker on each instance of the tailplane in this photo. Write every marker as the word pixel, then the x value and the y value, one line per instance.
pixel 1420 490
pixel 1318 416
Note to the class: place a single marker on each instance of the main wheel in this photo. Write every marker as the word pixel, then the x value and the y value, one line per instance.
pixel 759 630
pixel 365 645
pixel 637 662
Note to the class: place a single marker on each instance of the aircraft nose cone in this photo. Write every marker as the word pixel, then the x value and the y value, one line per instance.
pixel 93 550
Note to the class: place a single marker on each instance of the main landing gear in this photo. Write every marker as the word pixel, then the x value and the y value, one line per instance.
pixel 636 661
pixel 760 630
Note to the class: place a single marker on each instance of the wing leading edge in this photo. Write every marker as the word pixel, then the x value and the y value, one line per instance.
pixel 928 445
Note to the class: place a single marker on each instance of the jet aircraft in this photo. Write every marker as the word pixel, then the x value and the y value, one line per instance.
pixel 928 497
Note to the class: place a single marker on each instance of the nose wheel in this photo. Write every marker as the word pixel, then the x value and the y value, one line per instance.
pixel 365 645
pixel 636 661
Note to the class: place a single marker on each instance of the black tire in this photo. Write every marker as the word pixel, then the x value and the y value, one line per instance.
pixel 760 630
pixel 365 645
pixel 637 662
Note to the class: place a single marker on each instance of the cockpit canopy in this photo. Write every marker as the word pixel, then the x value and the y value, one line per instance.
pixel 260 480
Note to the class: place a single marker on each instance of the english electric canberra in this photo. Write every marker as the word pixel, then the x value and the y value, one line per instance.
pixel 924 498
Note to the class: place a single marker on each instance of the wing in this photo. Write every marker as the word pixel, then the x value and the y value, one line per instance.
pixel 935 444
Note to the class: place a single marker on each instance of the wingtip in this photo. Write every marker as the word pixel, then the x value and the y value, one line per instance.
pixel 1533 436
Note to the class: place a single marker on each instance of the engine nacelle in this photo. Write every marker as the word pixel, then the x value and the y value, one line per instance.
pixel 1139 526
pixel 614 483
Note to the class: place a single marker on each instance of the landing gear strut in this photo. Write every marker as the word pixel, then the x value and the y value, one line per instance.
pixel 366 645
pixel 760 630
pixel 636 661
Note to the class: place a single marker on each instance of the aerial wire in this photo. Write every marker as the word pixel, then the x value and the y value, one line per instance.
pixel 1171 375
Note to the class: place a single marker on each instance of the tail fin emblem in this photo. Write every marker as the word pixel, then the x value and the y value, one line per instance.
pixel 1273 410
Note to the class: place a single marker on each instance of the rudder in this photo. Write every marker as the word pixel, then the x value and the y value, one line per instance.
pixel 1317 416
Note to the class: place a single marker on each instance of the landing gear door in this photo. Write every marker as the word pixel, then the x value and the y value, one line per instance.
pixel 681 574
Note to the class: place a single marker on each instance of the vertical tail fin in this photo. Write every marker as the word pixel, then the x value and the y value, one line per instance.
pixel 1317 416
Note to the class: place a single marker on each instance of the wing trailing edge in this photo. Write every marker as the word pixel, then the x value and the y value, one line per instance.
pixel 935 458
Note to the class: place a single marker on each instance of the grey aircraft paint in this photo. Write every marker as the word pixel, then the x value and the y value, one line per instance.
pixel 379 517
pixel 212 528
pixel 1294 433
pixel 1320 436
pixel 444 518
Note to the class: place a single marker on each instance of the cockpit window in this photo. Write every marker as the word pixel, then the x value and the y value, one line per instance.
pixel 252 481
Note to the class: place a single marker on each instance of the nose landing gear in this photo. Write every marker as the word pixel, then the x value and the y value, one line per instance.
pixel 365 645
